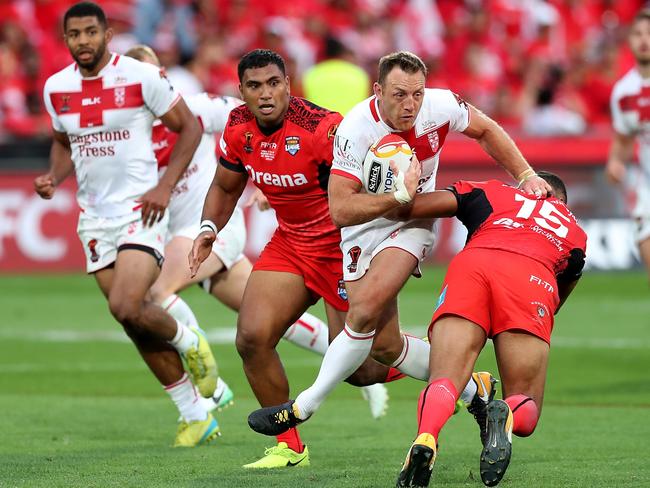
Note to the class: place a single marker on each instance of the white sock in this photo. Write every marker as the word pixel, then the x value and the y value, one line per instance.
pixel 184 339
pixel 470 390
pixel 181 311
pixel 345 354
pixel 310 333
pixel 414 358
pixel 184 396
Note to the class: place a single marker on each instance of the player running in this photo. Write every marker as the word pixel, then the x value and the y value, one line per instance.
pixel 226 269
pixel 522 259
pixel 630 121
pixel 284 145
pixel 102 108
pixel 380 254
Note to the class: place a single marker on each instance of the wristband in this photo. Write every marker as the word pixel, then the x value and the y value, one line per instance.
pixel 208 226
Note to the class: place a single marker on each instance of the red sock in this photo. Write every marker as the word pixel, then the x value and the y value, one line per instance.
pixel 394 375
pixel 436 405
pixel 292 439
pixel 525 414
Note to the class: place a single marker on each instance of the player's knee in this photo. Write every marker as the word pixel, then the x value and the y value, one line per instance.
pixel 249 341
pixel 157 293
pixel 363 314
pixel 125 312
pixel 525 414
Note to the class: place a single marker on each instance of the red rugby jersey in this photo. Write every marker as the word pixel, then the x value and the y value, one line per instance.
pixel 499 216
pixel 291 165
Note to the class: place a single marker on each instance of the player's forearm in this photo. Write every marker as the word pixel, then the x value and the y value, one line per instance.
pixel 188 140
pixel 359 208
pixel 499 145
pixel 219 205
pixel 433 205
pixel 61 165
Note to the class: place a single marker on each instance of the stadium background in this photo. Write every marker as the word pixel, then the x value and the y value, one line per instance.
pixel 77 407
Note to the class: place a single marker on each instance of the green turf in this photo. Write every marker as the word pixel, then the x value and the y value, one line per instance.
pixel 78 408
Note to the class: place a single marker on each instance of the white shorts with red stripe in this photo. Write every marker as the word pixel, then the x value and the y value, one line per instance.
pixel 102 238
pixel 361 243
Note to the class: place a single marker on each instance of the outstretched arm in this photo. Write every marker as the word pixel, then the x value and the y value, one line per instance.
pixel 498 144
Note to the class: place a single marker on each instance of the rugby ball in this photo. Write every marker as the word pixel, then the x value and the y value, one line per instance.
pixel 377 175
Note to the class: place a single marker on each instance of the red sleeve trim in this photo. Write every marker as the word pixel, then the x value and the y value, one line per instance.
pixel 346 175
pixel 373 109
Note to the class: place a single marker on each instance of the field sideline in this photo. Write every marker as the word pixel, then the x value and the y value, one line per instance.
pixel 78 408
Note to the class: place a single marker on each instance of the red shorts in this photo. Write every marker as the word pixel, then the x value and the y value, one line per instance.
pixel 322 271
pixel 499 291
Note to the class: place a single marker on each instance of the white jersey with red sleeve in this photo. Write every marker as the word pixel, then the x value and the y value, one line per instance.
pixel 630 107
pixel 108 120
pixel 442 111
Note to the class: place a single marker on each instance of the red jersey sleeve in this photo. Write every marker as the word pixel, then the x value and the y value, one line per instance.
pixel 230 145
pixel 323 140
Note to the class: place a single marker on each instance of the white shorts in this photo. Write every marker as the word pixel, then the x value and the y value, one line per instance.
pixel 361 245
pixel 102 238
pixel 186 207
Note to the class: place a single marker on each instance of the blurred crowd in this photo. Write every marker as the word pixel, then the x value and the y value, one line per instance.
pixel 543 67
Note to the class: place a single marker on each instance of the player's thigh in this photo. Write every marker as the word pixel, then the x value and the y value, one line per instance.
pixel 175 273
pixel 455 345
pixel 228 286
pixel 134 273
pixel 379 286
pixel 273 300
pixel 104 279
pixel 522 359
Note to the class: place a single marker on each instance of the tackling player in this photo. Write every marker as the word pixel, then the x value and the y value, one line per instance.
pixel 283 144
pixel 522 259
pixel 380 253
pixel 102 108
pixel 630 121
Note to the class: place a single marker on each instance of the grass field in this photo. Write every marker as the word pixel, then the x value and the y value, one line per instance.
pixel 78 407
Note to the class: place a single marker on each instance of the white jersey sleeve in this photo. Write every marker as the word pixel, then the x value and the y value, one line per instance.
pixel 56 123
pixel 157 91
pixel 454 108
pixel 212 110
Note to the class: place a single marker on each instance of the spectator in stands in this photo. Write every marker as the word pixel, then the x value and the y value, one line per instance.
pixel 336 82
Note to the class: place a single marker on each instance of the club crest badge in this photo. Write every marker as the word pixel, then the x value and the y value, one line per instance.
pixel 292 144
pixel 120 96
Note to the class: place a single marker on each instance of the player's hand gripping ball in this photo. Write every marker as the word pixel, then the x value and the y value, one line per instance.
pixel 377 174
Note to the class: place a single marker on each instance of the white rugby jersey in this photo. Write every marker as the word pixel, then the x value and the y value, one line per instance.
pixel 441 112
pixel 630 106
pixel 108 119
pixel 212 113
